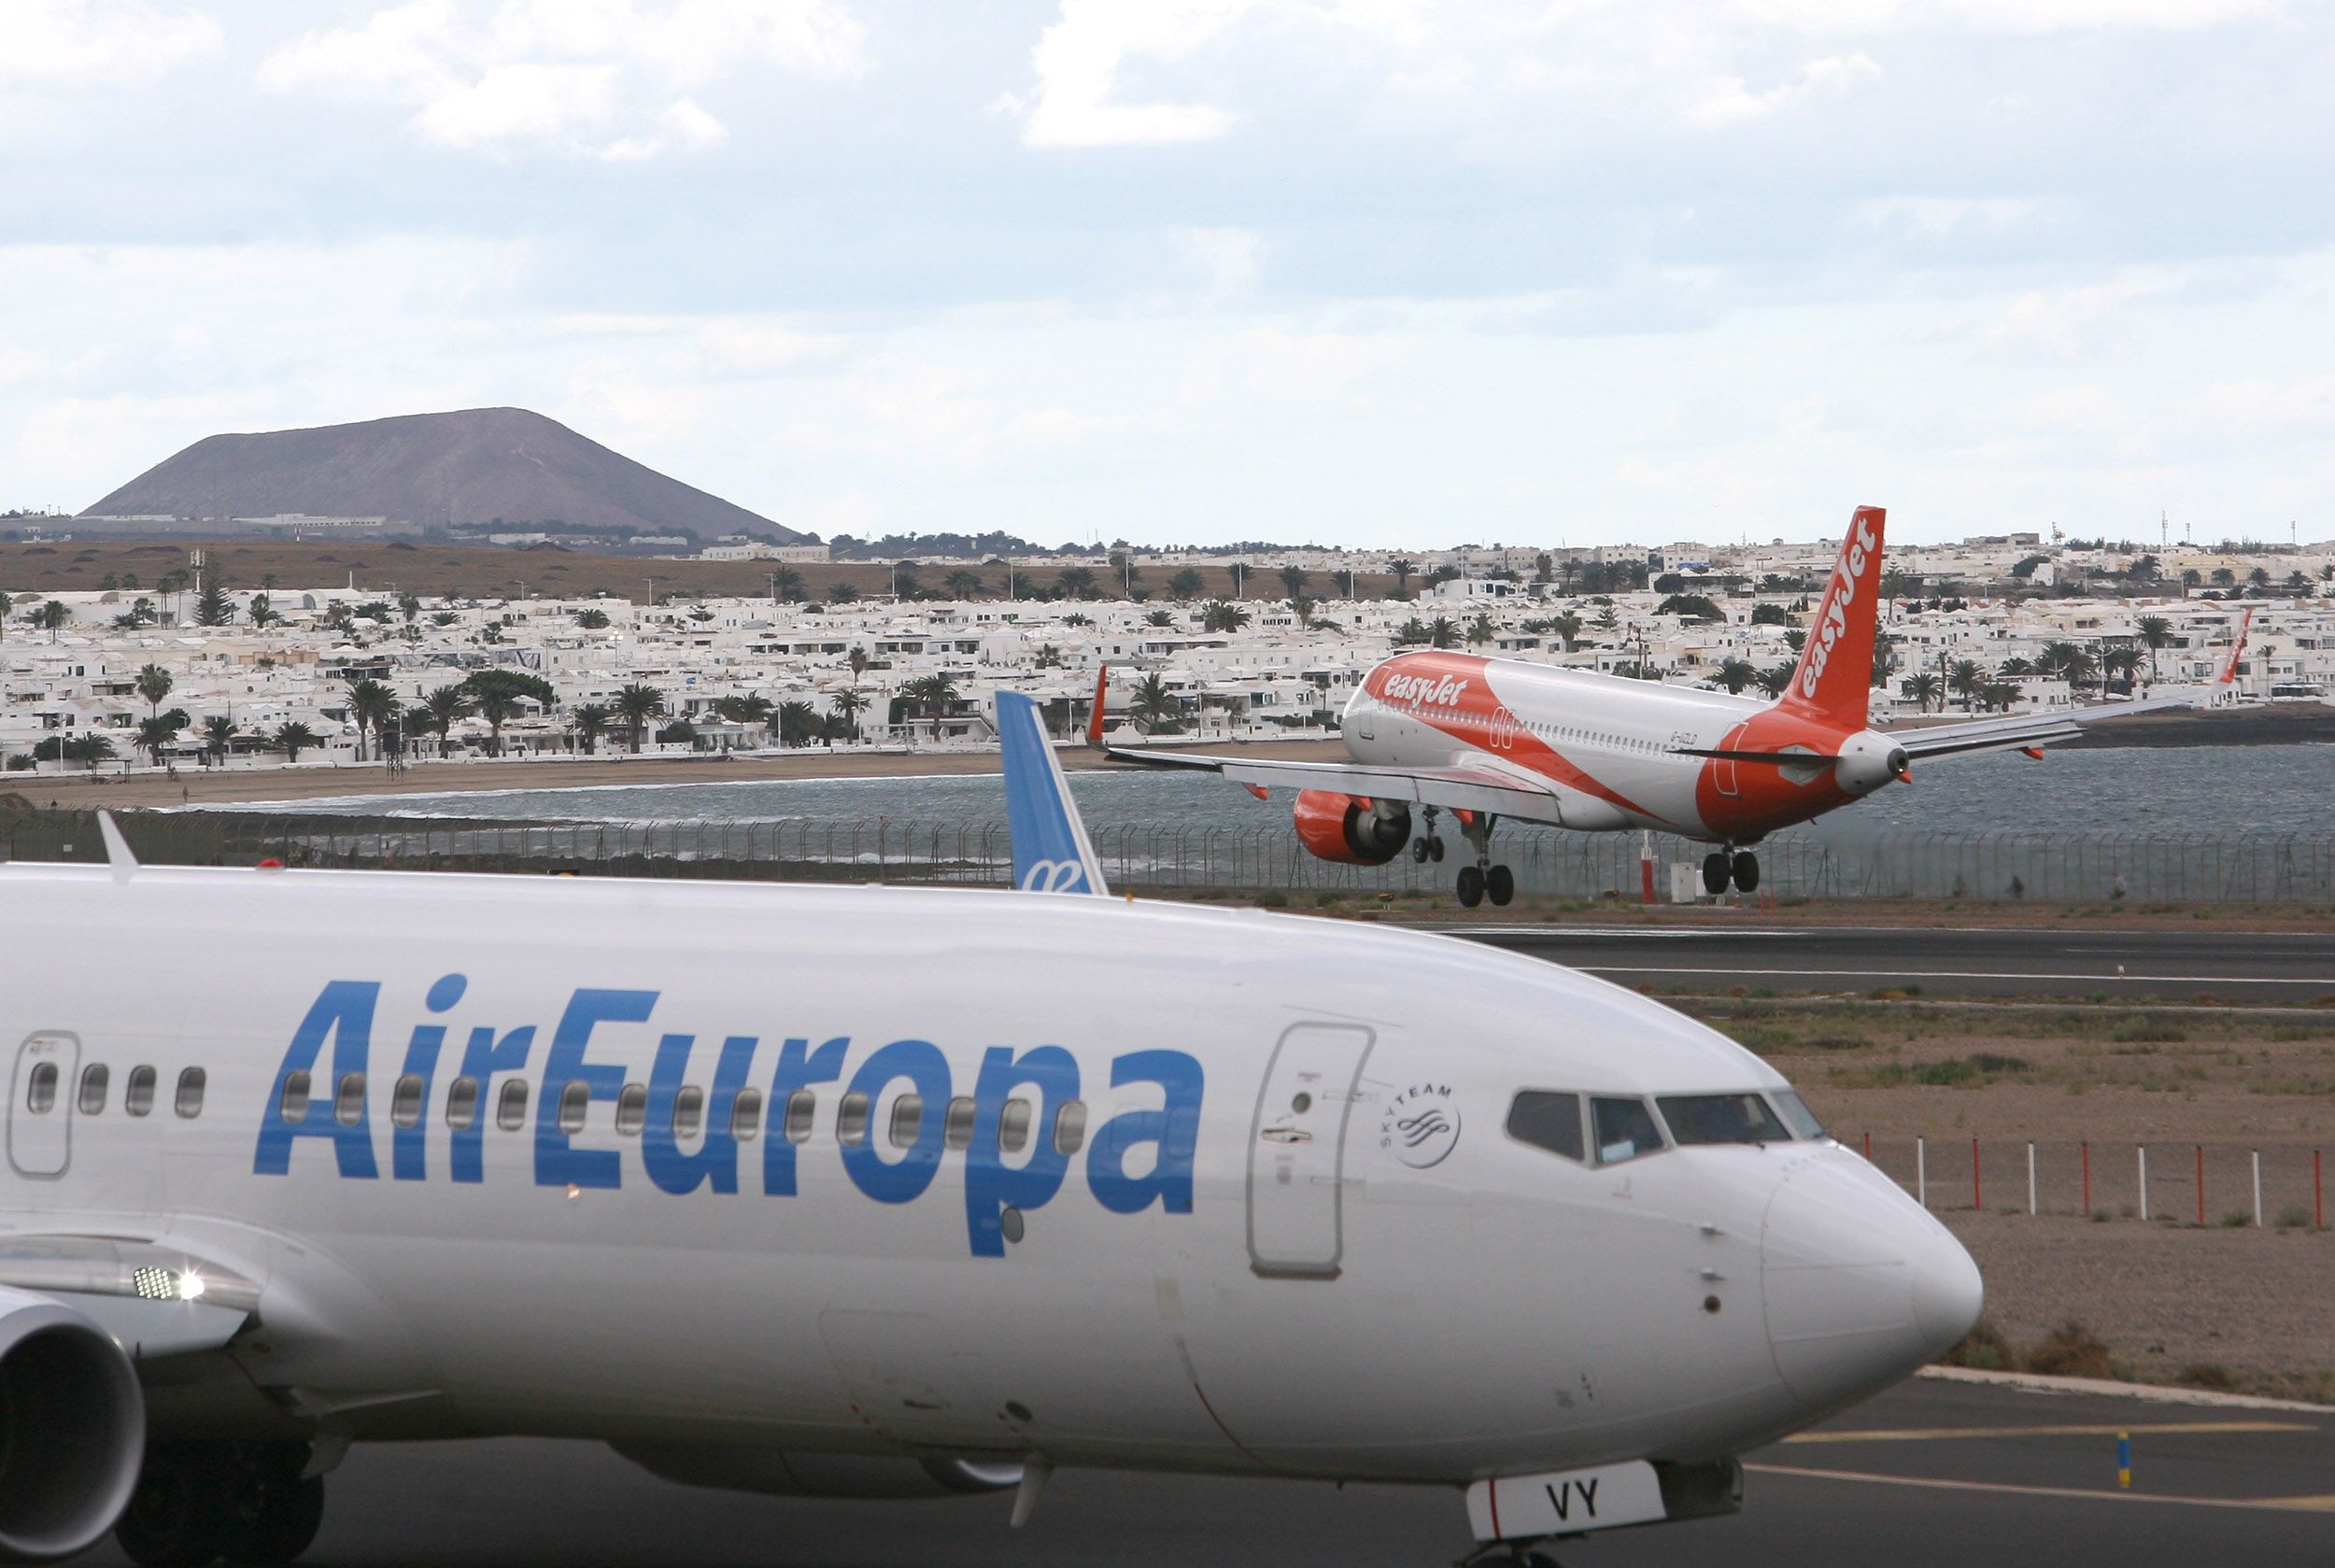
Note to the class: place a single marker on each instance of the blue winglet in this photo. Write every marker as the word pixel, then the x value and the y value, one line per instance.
pixel 1050 854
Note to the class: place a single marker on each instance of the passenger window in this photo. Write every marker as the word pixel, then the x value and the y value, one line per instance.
pixel 1796 1114
pixel 908 1120
pixel 688 1111
pixel 461 1103
pixel 1070 1127
pixel 511 1110
pixel 1625 1129
pixel 957 1131
pixel 632 1108
pixel 137 1097
pixel 293 1105
pixel 1720 1119
pixel 93 1079
pixel 803 1107
pixel 348 1105
pixel 40 1093
pixel 405 1101
pixel 1549 1121
pixel 190 1103
pixel 850 1118
pixel 575 1103
pixel 745 1115
pixel 1013 1126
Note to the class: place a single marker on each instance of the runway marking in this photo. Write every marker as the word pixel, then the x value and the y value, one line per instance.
pixel 1923 1434
pixel 2084 1494
pixel 1950 974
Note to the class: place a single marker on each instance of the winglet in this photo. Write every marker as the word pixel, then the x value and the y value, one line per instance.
pixel 118 853
pixel 1050 851
pixel 1833 679
pixel 2229 670
pixel 1095 719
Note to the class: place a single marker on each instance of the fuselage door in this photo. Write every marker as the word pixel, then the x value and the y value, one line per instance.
pixel 40 1105
pixel 1298 1150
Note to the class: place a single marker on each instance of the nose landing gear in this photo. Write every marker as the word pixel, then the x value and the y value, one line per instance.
pixel 1720 870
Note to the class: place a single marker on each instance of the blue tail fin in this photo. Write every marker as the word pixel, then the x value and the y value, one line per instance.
pixel 1050 854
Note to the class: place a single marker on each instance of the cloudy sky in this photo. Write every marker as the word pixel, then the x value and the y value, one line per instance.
pixel 1407 272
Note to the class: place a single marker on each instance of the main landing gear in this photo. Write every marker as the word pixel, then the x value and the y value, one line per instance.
pixel 197 1503
pixel 1481 881
pixel 1720 870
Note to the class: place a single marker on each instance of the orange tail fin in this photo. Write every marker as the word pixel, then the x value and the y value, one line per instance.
pixel 1834 680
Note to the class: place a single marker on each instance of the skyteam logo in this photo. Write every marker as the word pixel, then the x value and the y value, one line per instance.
pixel 606 1100
pixel 1430 690
pixel 1422 1125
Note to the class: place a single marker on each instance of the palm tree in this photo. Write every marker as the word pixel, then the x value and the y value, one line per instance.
pixel 373 705
pixel 842 593
pixel 1774 679
pixel 849 705
pixel 787 585
pixel 1160 618
pixel 7 604
pixel 447 707
pixel 1737 673
pixel 1293 581
pixel 589 722
pixel 1568 626
pixel 592 620
pixel 1078 581
pixel 160 731
pixel 962 584
pixel 796 723
pixel 291 738
pixel 752 711
pixel 857 659
pixel 1926 688
pixel 1402 567
pixel 1219 614
pixel 219 732
pixel 2156 633
pixel 636 704
pixel 52 616
pixel 1152 702
pixel 1049 657
pixel 153 683
pixel 2121 661
pixel 2082 665
pixel 1481 630
pixel 1964 678
pixel 1184 586
pixel 1998 694
pixel 88 750
pixel 930 695
pixel 1442 633
pixel 263 612
pixel 497 693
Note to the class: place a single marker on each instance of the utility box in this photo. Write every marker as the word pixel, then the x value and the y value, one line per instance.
pixel 1686 882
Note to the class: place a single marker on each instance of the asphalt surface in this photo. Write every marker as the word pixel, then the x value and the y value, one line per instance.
pixel 1928 1473
pixel 2294 969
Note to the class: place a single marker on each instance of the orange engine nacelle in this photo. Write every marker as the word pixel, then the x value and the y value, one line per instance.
pixel 1351 830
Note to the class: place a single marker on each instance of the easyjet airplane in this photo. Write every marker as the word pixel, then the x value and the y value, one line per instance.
pixel 1490 737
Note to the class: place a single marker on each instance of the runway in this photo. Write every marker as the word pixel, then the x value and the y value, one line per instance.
pixel 2290 967
pixel 1930 1474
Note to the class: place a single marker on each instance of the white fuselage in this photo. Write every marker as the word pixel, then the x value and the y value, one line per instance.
pixel 1240 1268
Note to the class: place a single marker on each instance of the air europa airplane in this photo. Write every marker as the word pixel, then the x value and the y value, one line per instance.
pixel 883 1192
pixel 1485 739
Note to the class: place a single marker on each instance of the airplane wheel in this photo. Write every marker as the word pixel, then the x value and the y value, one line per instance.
pixel 1419 852
pixel 1471 886
pixel 1500 886
pixel 1748 871
pixel 1716 870
pixel 279 1514
pixel 184 1507
pixel 1434 849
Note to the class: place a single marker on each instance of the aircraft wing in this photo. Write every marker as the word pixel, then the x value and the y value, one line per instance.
pixel 155 1300
pixel 1458 789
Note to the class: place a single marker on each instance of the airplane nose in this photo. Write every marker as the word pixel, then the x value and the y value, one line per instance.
pixel 1861 1286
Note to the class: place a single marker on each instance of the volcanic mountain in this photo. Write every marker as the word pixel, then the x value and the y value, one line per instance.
pixel 473 466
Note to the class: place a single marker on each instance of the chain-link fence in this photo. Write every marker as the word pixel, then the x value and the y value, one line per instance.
pixel 2236 866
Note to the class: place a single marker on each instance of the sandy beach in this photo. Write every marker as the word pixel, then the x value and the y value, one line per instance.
pixel 198 786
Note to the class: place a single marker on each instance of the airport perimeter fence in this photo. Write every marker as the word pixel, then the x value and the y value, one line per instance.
pixel 2272 1185
pixel 2234 868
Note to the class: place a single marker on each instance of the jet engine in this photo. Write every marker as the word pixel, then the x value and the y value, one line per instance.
pixel 781 1474
pixel 72 1430
pixel 1351 830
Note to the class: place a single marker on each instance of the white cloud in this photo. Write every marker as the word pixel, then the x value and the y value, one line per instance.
pixel 1735 102
pixel 1941 216
pixel 114 42
pixel 1229 259
pixel 1076 63
pixel 605 78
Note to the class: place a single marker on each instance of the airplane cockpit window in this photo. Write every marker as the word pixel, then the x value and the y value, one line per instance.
pixel 461 1103
pixel 1796 1114
pixel 510 1112
pixel 745 1115
pixel 40 1090
pixel 349 1101
pixel 1547 1119
pixel 93 1079
pixel 190 1103
pixel 137 1097
pixel 850 1118
pixel 1624 1130
pixel 1721 1119
pixel 293 1104
pixel 632 1108
pixel 405 1101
